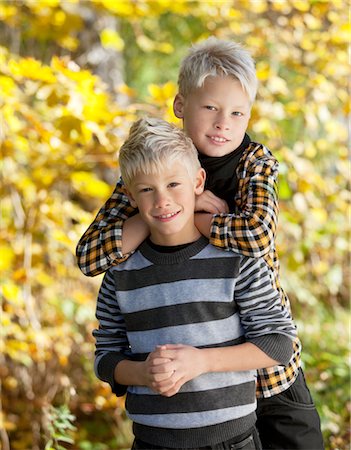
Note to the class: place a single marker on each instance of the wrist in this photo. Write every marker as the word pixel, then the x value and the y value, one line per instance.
pixel 205 361
pixel 129 373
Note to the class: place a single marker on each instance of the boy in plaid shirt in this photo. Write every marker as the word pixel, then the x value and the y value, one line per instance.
pixel 238 212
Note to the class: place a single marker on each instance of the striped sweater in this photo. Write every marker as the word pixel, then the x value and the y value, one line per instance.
pixel 198 296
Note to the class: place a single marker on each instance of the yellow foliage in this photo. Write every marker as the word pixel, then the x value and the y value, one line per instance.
pixel 31 69
pixel 161 94
pixel 6 257
pixel 111 39
pixel 88 184
pixel 60 130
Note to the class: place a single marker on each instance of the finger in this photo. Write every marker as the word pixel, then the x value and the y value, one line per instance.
pixel 173 346
pixel 160 378
pixel 160 360
pixel 163 368
pixel 216 202
pixel 163 386
pixel 174 389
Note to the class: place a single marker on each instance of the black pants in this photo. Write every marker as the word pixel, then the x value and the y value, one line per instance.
pixel 290 421
pixel 249 442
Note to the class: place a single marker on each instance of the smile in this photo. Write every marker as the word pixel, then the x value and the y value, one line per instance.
pixel 218 139
pixel 167 216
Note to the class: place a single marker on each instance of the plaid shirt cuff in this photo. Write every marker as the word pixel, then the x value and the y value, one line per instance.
pixel 111 242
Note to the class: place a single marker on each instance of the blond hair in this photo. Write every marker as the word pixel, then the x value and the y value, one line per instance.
pixel 153 144
pixel 215 57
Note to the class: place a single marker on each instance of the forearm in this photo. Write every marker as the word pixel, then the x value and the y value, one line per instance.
pixel 246 356
pixel 134 232
pixel 250 229
pixel 186 363
pixel 131 373
pixel 101 245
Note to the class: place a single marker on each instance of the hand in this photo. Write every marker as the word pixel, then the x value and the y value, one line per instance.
pixel 155 369
pixel 177 364
pixel 210 203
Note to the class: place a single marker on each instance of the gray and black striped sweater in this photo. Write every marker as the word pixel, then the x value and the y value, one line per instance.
pixel 199 296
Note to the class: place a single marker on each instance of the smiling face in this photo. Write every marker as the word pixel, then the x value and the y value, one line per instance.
pixel 166 202
pixel 215 116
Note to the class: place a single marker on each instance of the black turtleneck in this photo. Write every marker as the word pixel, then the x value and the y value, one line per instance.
pixel 221 172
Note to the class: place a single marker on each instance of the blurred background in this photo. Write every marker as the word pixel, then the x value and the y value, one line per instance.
pixel 73 76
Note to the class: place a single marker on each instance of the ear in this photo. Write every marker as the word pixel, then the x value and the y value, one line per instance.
pixel 200 181
pixel 178 106
pixel 130 197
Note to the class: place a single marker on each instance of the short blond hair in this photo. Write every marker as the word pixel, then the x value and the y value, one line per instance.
pixel 153 144
pixel 215 57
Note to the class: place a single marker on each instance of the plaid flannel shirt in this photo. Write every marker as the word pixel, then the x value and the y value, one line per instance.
pixel 250 231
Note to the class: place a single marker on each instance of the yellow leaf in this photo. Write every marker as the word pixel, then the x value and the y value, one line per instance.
pixel 343 35
pixel 161 94
pixel 126 90
pixel 8 12
pixel 12 292
pixel 7 85
pixel 6 257
pixel 320 215
pixel 69 42
pixel 258 7
pixel 32 69
pixel 263 71
pixel 111 39
pixel 88 184
pixel 61 236
pixel 165 47
pixel 301 5
pixel 120 8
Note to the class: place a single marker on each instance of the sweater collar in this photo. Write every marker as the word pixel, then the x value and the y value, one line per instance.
pixel 179 256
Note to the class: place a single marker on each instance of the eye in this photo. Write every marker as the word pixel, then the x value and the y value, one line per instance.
pixel 210 108
pixel 145 189
pixel 173 184
pixel 237 113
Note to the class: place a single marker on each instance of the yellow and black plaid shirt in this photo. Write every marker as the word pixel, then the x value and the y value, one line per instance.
pixel 249 231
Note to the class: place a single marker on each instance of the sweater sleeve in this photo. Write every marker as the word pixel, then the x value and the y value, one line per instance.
pixel 266 321
pixel 250 231
pixel 111 342
pixel 100 247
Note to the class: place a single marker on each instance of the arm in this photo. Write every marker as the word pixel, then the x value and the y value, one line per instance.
pixel 269 334
pixel 111 363
pixel 100 247
pixel 250 231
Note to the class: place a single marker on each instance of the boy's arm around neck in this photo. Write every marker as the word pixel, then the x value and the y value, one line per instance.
pixel 251 230
pixel 100 247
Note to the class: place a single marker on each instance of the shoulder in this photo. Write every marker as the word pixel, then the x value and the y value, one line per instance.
pixel 135 261
pixel 258 158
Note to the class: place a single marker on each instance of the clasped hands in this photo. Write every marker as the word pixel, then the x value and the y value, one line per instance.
pixel 170 366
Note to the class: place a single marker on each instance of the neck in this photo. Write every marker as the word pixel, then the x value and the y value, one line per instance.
pixel 175 239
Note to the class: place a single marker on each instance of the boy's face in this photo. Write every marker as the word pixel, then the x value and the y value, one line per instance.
pixel 166 202
pixel 215 116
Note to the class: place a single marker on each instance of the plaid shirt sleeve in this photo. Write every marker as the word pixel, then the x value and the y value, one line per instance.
pixel 100 247
pixel 250 231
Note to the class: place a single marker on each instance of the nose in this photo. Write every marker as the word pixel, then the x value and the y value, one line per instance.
pixel 221 122
pixel 161 199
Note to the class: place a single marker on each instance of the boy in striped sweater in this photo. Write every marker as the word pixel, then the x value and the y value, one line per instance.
pixel 183 326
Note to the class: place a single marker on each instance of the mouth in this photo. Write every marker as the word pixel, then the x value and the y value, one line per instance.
pixel 166 217
pixel 218 139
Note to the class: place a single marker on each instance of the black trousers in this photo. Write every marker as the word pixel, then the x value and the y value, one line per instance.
pixel 250 441
pixel 290 421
